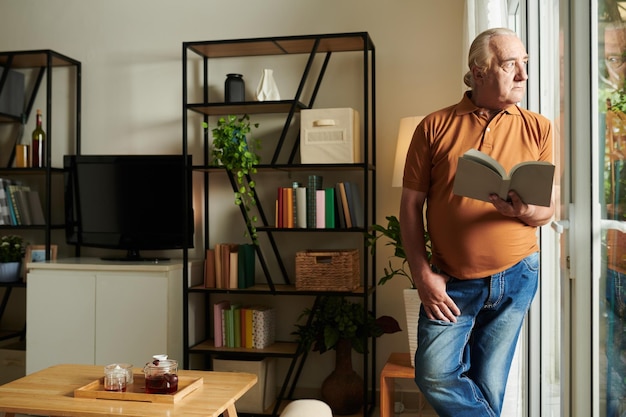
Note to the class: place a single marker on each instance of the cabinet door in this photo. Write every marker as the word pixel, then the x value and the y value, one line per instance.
pixel 131 317
pixel 60 317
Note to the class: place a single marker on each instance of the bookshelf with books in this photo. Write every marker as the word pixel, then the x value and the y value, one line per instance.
pixel 31 197
pixel 290 193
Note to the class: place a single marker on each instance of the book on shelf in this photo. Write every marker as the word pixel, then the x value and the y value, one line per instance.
pixel 5 213
pixel 478 176
pixel 236 325
pixel 315 182
pixel 344 204
pixel 355 204
pixel 246 259
pixel 330 209
pixel 340 218
pixel 209 269
pixel 320 209
pixel 218 322
pixel 301 215
pixel 264 327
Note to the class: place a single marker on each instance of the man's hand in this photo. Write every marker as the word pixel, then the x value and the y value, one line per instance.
pixel 435 300
pixel 515 207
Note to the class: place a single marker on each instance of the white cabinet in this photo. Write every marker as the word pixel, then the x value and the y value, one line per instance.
pixel 92 312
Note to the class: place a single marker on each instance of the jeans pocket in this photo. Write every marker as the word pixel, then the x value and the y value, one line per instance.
pixel 532 262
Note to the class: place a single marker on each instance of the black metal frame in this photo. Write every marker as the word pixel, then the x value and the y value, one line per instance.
pixel 43 60
pixel 313 45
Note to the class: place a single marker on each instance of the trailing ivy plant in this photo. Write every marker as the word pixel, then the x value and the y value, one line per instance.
pixel 234 149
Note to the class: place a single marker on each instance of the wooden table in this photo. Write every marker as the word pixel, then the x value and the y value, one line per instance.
pixel 398 366
pixel 50 392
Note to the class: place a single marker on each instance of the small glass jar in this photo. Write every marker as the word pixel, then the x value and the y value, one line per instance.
pixel 161 375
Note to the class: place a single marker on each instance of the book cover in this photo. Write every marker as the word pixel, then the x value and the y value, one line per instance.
pixel 315 183
pixel 320 209
pixel 218 327
pixel 236 330
pixel 5 215
pixel 218 266
pixel 301 218
pixel 246 265
pixel 22 206
pixel 330 208
pixel 247 318
pixel 280 205
pixel 340 218
pixel 288 209
pixel 209 269
pixel 355 204
pixel 344 204
pixel 233 267
pixel 264 326
pixel 478 175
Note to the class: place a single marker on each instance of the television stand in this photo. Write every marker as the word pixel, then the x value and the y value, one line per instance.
pixel 134 256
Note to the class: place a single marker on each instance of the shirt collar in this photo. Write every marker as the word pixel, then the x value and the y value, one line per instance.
pixel 466 106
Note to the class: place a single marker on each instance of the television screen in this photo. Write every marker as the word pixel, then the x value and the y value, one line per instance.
pixel 128 202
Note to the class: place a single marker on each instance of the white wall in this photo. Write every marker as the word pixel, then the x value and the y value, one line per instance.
pixel 130 52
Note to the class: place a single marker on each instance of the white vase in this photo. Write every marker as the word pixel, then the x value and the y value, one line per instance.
pixel 412 304
pixel 9 271
pixel 267 89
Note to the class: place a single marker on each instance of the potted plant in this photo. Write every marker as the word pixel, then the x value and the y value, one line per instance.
pixel 411 298
pixel 335 323
pixel 236 151
pixel 12 250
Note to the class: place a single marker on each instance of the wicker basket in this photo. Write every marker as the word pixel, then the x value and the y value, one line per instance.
pixel 336 270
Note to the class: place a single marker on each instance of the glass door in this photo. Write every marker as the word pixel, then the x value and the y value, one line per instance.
pixel 611 291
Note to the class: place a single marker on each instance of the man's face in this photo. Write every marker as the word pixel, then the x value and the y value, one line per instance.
pixel 504 83
pixel 615 55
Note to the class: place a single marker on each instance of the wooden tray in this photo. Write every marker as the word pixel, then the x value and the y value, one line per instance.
pixel 136 390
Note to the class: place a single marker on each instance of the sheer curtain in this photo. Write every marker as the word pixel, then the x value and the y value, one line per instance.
pixel 479 16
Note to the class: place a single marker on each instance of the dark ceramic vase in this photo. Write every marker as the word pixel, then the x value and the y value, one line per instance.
pixel 342 390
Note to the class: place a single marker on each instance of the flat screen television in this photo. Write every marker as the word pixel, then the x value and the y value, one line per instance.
pixel 128 202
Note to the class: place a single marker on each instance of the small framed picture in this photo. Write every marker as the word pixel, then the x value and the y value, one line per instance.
pixel 37 253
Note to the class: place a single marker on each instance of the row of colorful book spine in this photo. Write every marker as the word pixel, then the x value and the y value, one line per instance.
pixel 319 207
pixel 19 204
pixel 239 326
pixel 230 265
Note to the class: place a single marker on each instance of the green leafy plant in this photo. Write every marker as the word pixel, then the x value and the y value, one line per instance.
pixel 392 233
pixel 334 317
pixel 234 149
pixel 12 248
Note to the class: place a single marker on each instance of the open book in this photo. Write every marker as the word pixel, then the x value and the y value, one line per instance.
pixel 478 175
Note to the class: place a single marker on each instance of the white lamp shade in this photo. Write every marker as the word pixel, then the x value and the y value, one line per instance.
pixel 405 134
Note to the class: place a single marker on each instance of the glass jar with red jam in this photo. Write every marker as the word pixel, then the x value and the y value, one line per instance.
pixel 161 375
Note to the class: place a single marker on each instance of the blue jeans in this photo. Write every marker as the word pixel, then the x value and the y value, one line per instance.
pixel 462 368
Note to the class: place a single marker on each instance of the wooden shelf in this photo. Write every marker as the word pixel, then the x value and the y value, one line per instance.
pixel 278 349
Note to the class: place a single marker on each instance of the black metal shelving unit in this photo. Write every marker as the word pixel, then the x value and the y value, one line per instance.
pixel 40 65
pixel 317 51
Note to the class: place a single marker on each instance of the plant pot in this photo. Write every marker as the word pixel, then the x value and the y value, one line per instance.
pixel 412 304
pixel 10 271
pixel 342 390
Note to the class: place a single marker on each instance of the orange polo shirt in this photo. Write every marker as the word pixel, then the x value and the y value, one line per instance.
pixel 470 238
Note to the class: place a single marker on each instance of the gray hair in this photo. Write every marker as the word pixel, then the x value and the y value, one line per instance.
pixel 480 54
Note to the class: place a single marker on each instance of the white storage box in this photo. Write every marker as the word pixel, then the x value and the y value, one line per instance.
pixel 330 136
pixel 262 395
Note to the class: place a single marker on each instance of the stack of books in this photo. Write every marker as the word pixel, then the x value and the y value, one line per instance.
pixel 19 205
pixel 238 326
